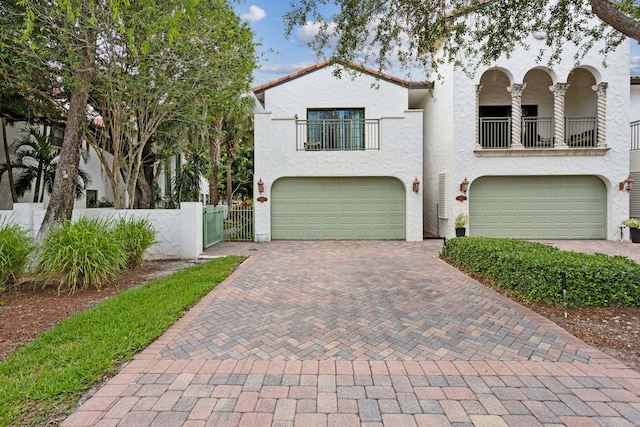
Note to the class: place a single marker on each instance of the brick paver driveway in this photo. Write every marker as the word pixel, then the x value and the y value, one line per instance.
pixel 363 334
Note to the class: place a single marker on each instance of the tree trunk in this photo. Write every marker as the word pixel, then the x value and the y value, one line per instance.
pixel 214 158
pixel 60 206
pixel 14 195
pixel 145 196
pixel 229 183
pixel 36 190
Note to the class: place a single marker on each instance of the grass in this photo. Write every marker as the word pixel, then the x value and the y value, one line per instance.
pixel 48 375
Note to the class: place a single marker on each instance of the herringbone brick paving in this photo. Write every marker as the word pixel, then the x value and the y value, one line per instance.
pixel 363 334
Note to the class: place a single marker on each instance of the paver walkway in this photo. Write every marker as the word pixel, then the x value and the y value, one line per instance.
pixel 362 334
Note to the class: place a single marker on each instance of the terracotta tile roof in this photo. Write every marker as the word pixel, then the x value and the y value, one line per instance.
pixel 328 62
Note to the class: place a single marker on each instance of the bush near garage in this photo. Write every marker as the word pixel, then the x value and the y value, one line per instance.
pixel 533 270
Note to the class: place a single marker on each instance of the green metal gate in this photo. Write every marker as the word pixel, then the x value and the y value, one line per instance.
pixel 238 225
pixel 212 225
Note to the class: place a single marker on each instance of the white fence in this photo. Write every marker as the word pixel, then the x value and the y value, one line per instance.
pixel 179 230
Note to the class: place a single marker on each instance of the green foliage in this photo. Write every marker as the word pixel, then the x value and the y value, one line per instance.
pixel 82 253
pixel 631 223
pixel 532 271
pixel 461 220
pixel 15 247
pixel 135 237
pixel 429 33
pixel 50 374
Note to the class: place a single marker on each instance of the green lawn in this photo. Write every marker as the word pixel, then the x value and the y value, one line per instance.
pixel 49 375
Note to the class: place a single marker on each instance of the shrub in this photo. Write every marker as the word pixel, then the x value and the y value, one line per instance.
pixel 82 253
pixel 461 220
pixel 135 237
pixel 532 271
pixel 15 247
pixel 631 223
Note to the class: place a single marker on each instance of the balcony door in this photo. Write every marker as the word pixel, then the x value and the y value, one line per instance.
pixel 336 129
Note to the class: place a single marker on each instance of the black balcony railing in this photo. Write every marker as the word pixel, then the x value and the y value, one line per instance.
pixel 338 135
pixel 635 135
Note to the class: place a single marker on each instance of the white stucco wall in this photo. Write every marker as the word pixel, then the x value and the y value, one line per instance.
pixel 179 231
pixel 400 154
pixel 438 153
pixel 612 167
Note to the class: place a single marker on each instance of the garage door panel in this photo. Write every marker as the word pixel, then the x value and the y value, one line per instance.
pixel 338 208
pixel 567 207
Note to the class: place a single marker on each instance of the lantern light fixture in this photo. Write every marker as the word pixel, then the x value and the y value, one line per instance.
pixel 416 185
pixel 464 185
pixel 626 185
pixel 260 186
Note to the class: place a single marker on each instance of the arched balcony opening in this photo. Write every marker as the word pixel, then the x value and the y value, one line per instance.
pixel 537 110
pixel 494 110
pixel 581 109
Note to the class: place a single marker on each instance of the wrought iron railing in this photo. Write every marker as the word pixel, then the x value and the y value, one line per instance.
pixel 581 132
pixel 338 135
pixel 495 132
pixel 537 132
pixel 635 135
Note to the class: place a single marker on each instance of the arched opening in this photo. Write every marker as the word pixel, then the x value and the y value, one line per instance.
pixel 580 109
pixel 494 110
pixel 537 110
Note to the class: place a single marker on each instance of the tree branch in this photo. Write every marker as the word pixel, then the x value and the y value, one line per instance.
pixel 606 11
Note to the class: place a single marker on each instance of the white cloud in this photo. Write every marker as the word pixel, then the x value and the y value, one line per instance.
pixel 308 32
pixel 635 65
pixel 255 14
pixel 284 68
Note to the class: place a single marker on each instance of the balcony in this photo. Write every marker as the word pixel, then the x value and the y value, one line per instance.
pixel 338 135
pixel 538 133
pixel 635 135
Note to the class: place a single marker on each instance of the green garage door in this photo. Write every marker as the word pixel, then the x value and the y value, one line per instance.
pixel 540 207
pixel 338 208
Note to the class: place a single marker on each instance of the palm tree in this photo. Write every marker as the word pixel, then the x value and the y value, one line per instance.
pixel 34 158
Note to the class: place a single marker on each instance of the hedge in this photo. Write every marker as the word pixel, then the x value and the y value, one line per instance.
pixel 533 270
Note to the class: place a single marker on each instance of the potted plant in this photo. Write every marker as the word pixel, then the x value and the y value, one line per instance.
pixel 461 220
pixel 634 229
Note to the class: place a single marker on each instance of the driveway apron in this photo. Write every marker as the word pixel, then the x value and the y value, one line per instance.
pixel 362 333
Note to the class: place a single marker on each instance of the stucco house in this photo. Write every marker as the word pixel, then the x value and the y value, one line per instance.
pixel 525 150
pixel 339 158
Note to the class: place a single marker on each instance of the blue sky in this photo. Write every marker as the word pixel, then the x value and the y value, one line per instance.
pixel 281 56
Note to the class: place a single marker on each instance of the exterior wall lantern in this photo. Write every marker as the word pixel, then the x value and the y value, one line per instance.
pixel 416 185
pixel 464 185
pixel 262 198
pixel 626 184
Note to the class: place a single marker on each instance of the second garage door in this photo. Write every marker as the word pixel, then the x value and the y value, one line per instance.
pixel 338 208
pixel 539 207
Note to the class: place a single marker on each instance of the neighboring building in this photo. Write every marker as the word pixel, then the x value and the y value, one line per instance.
pixel 99 187
pixel 100 190
pixel 543 151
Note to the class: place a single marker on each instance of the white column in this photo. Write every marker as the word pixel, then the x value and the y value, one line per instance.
pixel 516 114
pixel 601 90
pixel 478 89
pixel 558 89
